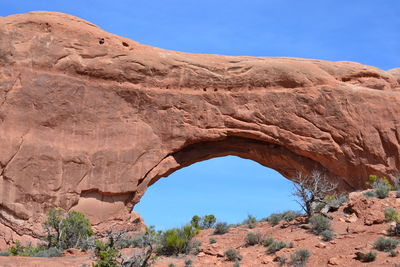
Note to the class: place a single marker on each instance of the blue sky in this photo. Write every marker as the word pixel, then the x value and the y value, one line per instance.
pixel 365 31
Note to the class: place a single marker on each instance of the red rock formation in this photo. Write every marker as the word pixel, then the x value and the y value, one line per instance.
pixel 88 120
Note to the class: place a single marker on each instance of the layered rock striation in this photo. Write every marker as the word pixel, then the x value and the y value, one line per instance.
pixel 89 120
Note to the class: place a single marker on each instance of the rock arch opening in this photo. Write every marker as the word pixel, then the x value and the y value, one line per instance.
pixel 273 156
pixel 228 187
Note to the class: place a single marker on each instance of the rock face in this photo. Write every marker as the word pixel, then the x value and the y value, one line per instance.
pixel 89 120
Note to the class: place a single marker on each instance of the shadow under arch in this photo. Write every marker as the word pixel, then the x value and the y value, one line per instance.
pixel 273 156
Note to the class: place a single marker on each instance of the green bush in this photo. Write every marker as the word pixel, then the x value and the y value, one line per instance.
pixel 4 253
pixel 212 240
pixel 232 255
pixel 221 228
pixel 398 194
pixel 300 257
pixel 30 251
pixel 276 246
pixel 392 215
pixel 177 240
pixel 319 224
pixel 236 264
pixel 50 252
pixel 188 263
pixel 370 256
pixel 268 241
pixel 250 221
pixel 67 230
pixel 206 222
pixel 382 192
pixel 171 265
pixel 327 235
pixel 274 218
pixel 17 249
pixel 338 201
pixel 381 186
pixel 288 216
pixel 385 244
pixel 253 239
pixel 106 255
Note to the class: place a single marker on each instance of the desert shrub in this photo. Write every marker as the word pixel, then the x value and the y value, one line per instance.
pixel 50 252
pixel 212 240
pixel 194 247
pixel 339 200
pixel 398 194
pixel 30 251
pixel 67 230
pixel 236 264
pixel 281 260
pixel 290 215
pixel 300 257
pixel 17 249
pixel 327 235
pixel 208 221
pixel 319 224
pixel 221 228
pixel 4 253
pixel 232 255
pixel 276 246
pixel 188 263
pixel 253 239
pixel 126 242
pixel 381 186
pixel 385 244
pixel 106 255
pixel 171 265
pixel 250 221
pixel 370 194
pixel 205 222
pixel 176 240
pixel 195 222
pixel 374 181
pixel 370 256
pixel 393 253
pixel 382 192
pixel 274 218
pixel 268 241
pixel 392 215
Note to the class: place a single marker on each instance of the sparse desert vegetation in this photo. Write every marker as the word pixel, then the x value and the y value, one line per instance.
pixel 352 228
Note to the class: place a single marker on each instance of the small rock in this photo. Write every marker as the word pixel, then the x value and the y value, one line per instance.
pixel 321 245
pixel 352 218
pixel 333 261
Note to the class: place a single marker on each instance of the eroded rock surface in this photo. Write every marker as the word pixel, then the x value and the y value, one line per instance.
pixel 88 120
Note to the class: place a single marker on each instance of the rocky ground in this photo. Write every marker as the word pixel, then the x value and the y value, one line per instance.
pixel 358 224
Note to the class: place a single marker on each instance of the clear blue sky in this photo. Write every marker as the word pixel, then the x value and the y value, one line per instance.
pixel 365 31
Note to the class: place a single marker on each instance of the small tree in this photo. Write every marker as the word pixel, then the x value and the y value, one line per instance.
pixel 66 230
pixel 310 190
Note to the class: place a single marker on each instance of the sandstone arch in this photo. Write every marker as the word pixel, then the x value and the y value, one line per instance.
pixel 88 119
